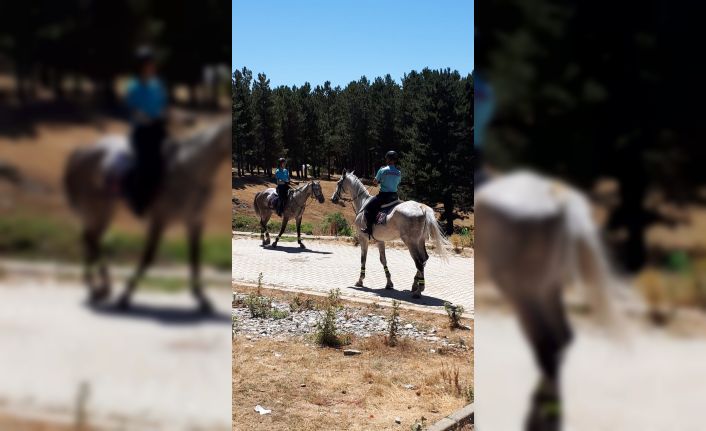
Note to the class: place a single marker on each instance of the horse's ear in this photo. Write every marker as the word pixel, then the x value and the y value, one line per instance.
pixel 352 172
pixel 344 173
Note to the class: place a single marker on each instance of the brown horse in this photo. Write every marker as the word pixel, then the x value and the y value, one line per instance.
pixel 190 164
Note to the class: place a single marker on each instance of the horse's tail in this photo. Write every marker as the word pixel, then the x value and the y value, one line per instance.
pixel 255 205
pixel 433 231
pixel 70 180
pixel 591 262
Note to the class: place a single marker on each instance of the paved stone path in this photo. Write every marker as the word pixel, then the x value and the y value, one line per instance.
pixel 160 366
pixel 326 265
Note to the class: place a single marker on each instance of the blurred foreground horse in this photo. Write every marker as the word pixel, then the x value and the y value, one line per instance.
pixel 535 235
pixel 190 164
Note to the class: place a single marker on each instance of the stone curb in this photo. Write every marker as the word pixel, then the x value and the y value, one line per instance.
pixel 454 420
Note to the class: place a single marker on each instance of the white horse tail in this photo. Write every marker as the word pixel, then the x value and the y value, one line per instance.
pixel 591 262
pixel 433 231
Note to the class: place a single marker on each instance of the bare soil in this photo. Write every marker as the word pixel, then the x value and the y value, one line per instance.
pixel 308 387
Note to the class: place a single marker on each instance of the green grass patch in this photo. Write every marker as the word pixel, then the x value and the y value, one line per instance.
pixel 31 237
pixel 245 223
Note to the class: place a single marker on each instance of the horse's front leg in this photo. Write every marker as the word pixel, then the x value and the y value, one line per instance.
pixel 195 264
pixel 299 232
pixel 153 237
pixel 285 220
pixel 383 260
pixel 363 239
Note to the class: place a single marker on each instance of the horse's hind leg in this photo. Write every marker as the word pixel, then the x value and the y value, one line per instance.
pixel 549 332
pixel 363 239
pixel 420 256
pixel 263 230
pixel 153 237
pixel 91 244
pixel 383 260
pixel 195 264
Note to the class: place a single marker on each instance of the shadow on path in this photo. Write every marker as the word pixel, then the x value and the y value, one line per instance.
pixel 165 314
pixel 402 296
pixel 295 250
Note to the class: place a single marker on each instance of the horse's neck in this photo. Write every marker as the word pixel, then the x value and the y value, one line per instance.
pixel 361 195
pixel 199 155
pixel 301 195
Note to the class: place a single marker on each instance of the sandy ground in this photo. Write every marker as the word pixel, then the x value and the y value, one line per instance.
pixel 160 366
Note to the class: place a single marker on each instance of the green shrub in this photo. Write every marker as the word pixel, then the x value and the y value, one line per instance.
pixel 260 306
pixel 454 312
pixel 336 224
pixel 327 333
pixel 393 324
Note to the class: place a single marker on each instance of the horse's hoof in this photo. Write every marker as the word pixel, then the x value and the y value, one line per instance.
pixel 99 295
pixel 359 283
pixel 416 294
pixel 389 286
pixel 274 244
pixel 123 303
pixel 301 245
pixel 205 307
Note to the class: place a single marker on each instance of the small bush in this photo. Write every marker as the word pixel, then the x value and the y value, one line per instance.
pixel 261 306
pixel 337 225
pixel 394 324
pixel 299 304
pixel 419 425
pixel 454 312
pixel 469 394
pixel 327 333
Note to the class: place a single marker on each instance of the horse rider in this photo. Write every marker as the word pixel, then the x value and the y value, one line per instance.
pixel 146 99
pixel 388 177
pixel 282 178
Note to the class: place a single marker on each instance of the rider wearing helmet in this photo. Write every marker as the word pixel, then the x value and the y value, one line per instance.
pixel 388 177
pixel 146 99
pixel 282 178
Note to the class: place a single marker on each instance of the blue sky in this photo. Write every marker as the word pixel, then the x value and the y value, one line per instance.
pixel 295 41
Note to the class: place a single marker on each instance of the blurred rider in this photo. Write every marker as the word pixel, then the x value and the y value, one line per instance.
pixel 146 99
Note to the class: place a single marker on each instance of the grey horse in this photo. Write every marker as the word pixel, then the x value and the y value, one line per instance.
pixel 295 209
pixel 535 235
pixel 184 193
pixel 410 221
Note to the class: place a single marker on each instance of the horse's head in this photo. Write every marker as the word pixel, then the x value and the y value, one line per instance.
pixel 341 187
pixel 316 189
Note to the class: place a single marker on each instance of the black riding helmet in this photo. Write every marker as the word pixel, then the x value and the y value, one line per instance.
pixel 282 160
pixel 392 155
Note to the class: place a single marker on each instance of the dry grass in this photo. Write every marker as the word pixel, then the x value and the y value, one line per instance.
pixel 313 388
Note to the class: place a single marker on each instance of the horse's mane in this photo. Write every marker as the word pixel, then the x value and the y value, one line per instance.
pixel 358 184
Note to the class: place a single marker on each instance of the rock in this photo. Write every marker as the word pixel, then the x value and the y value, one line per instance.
pixel 409 386
pixel 351 352
pixel 398 420
pixel 409 326
pixel 303 385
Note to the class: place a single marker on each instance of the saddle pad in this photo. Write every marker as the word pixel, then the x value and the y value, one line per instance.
pixel 272 201
pixel 381 218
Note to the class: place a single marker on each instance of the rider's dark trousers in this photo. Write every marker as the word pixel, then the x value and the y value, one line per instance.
pixel 283 194
pixel 373 206
pixel 147 143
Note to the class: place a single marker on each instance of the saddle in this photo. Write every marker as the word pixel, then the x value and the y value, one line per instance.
pixel 381 216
